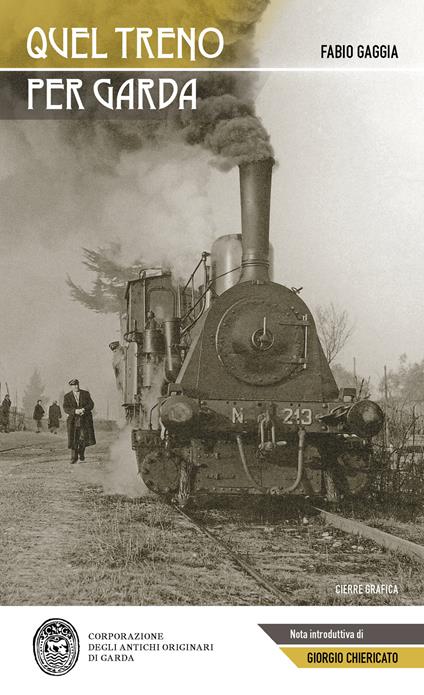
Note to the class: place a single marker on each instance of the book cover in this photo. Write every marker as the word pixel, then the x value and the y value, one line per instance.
pixel 211 374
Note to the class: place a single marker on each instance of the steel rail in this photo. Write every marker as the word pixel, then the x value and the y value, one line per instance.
pixel 387 540
pixel 259 578
pixel 25 446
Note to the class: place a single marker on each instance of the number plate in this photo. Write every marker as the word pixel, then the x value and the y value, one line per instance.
pixel 296 416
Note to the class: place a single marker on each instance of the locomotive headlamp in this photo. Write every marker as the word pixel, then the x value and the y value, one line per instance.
pixel 178 411
pixel 365 419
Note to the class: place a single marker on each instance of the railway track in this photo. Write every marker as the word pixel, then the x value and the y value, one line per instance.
pixel 235 557
pixel 226 551
pixel 18 448
pixel 386 540
pixel 281 591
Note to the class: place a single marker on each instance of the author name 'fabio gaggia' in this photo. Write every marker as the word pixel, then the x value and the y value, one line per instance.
pixel 347 50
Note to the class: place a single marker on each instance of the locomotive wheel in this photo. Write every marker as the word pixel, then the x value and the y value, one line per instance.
pixel 160 472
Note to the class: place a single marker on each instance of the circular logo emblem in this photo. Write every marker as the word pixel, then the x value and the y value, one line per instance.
pixel 56 647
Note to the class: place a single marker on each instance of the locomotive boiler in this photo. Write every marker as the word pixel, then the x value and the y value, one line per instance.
pixel 225 382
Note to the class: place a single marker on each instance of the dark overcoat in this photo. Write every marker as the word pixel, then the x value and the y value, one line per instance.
pixel 55 414
pixel 85 422
pixel 4 412
pixel 38 412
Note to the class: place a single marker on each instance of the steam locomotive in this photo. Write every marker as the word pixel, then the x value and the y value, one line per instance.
pixel 225 382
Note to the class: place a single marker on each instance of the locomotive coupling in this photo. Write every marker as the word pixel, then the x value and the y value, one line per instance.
pixel 178 412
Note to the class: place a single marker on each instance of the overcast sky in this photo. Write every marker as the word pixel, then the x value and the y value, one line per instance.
pixel 347 208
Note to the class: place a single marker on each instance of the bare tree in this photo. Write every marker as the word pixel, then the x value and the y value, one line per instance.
pixel 406 383
pixel 334 329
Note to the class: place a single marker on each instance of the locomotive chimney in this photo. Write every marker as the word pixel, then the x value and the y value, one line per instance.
pixel 255 196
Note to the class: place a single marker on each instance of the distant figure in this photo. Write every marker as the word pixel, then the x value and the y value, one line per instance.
pixel 38 415
pixel 4 414
pixel 55 414
pixel 78 406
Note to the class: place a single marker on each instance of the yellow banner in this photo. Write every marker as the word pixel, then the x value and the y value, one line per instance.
pixel 355 657
pixel 131 33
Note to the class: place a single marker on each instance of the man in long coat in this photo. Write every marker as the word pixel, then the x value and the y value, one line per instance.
pixel 55 414
pixel 78 405
pixel 4 414
pixel 38 415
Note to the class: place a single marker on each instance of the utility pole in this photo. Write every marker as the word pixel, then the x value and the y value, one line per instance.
pixel 386 407
pixel 16 408
pixel 413 426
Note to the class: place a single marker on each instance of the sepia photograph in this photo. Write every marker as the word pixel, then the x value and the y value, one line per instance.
pixel 211 346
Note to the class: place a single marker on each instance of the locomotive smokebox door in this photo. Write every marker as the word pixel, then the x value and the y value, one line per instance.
pixel 260 343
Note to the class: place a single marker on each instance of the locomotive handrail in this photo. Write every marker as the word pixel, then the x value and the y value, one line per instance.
pixel 202 261
pixel 187 314
pixel 203 296
pixel 201 299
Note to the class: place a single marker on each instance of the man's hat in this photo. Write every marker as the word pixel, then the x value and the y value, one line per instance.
pixel 73 382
